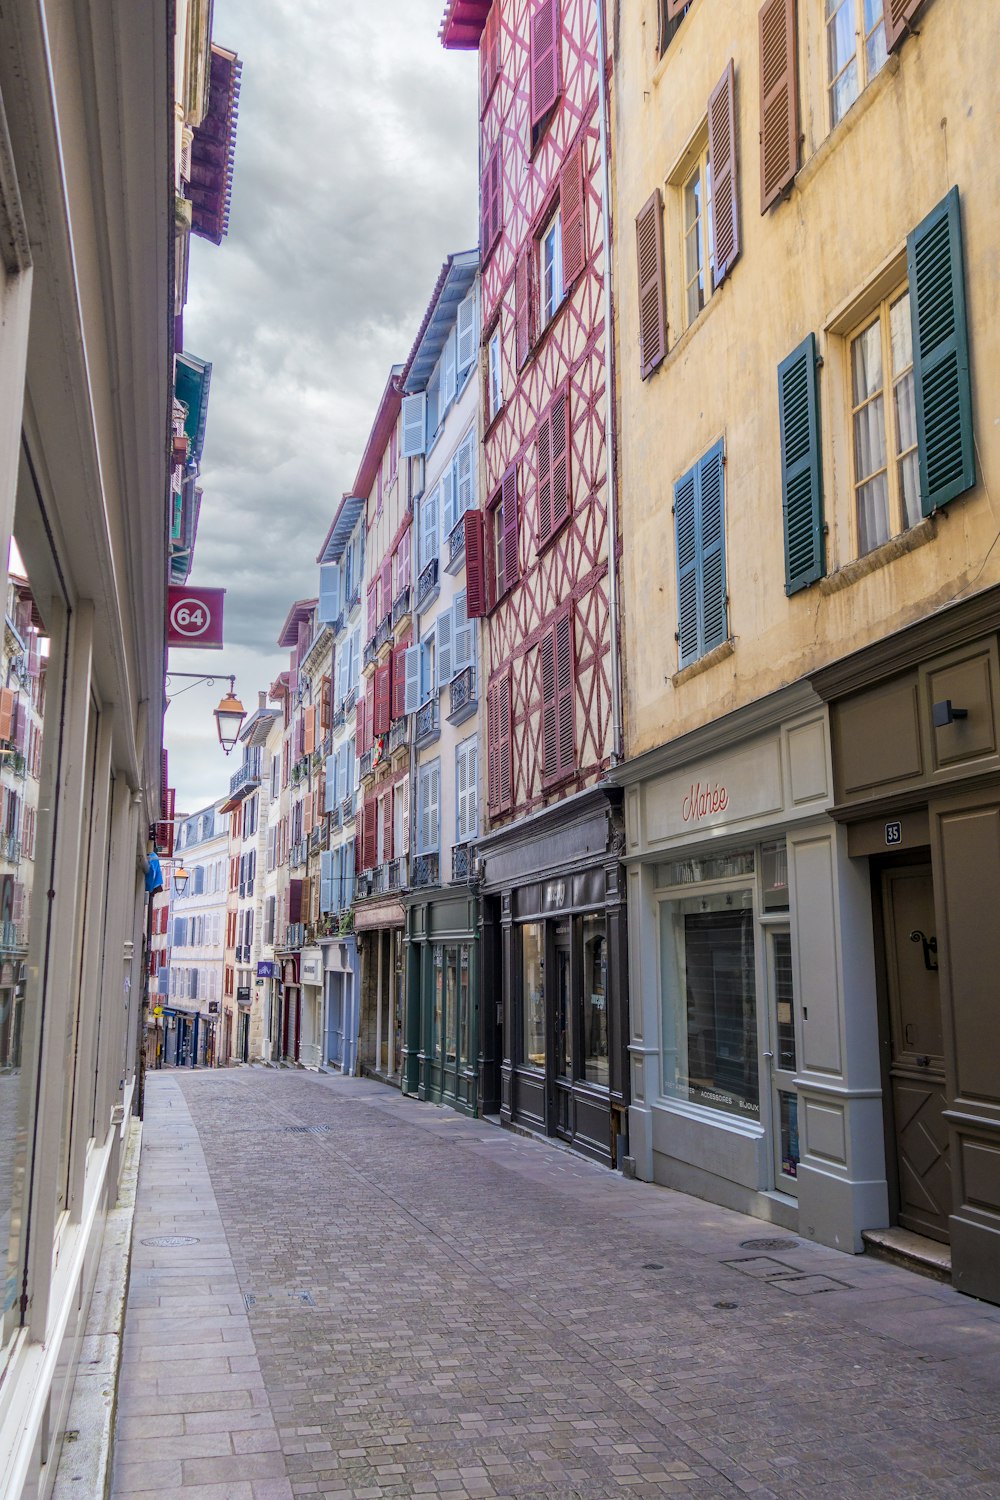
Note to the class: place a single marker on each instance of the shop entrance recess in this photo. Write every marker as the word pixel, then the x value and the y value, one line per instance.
pixel 780 1055
pixel 916 1061
pixel 561 1095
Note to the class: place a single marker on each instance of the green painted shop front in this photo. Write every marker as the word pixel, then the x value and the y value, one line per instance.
pixel 441 1054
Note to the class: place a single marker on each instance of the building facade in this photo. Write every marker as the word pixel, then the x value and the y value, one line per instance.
pixel 188 1032
pixel 440 677
pixel 809 587
pixel 537 573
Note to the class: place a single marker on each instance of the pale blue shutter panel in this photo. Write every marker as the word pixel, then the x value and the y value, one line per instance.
pixel 711 484
pixel 448 373
pixel 685 526
pixel 348 896
pixel 331 782
pixel 422 828
pixel 434 807
pixel 326 881
pixel 464 636
pixel 329 593
pixel 448 512
pixel 428 529
pixel 444 632
pixel 412 695
pixel 466 325
pixel 414 423
pixel 465 471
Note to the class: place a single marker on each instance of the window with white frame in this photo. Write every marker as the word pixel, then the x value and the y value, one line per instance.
pixel 429 808
pixel 428 530
pixel 466 335
pixel 551 268
pixel 855 50
pixel 694 185
pixel 467 790
pixel 494 380
pixel 884 424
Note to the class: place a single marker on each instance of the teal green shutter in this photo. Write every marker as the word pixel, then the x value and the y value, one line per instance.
pixel 712 547
pixel 801 467
pixel 699 518
pixel 685 522
pixel 941 356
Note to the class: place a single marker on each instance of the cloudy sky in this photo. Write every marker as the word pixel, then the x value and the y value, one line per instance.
pixel 356 158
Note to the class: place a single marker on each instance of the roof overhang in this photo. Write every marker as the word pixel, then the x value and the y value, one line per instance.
pixel 213 149
pixel 456 277
pixel 341 527
pixel 279 687
pixel 385 420
pixel 257 728
pixel 299 612
pixel 192 379
pixel 462 23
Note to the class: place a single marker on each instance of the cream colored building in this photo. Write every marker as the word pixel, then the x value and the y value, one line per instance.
pixel 807 338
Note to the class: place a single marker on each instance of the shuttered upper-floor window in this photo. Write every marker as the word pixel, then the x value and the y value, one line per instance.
pixel 699 523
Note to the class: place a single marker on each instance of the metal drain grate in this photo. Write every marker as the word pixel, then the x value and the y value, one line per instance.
pixel 170 1240
pixel 652 1265
pixel 308 1129
pixel 773 1244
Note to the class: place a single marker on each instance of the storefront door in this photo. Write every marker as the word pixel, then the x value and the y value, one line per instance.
pixel 781 1057
pixel 563 1037
pixel 916 1061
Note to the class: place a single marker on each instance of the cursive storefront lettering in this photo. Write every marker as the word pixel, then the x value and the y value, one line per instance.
pixel 703 800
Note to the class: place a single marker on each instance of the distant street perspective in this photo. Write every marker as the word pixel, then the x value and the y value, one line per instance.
pixel 339 1291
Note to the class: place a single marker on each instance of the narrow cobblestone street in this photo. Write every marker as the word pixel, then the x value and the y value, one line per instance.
pixel 373 1297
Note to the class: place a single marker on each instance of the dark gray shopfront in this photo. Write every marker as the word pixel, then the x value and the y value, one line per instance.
pixel 446 1056
pixel 554 922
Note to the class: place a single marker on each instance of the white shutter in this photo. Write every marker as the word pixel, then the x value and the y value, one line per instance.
pixel 331 782
pixel 422 810
pixel 444 631
pixel 329 593
pixel 414 421
pixel 461 790
pixel 434 807
pixel 448 374
pixel 427 675
pixel 463 645
pixel 342 772
pixel 448 500
pixel 428 529
pixel 466 325
pixel 348 893
pixel 326 881
pixel 465 470
pixel 496 376
pixel 412 696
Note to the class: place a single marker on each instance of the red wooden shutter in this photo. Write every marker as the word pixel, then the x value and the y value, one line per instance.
pixel 652 302
pixel 572 205
pixel 489 53
pixel 722 156
pixel 398 689
pixel 511 571
pixel 369 833
pixel 545 61
pixel 294 903
pixel 543 469
pixel 559 458
pixel 7 714
pixel 496 220
pixel 505 769
pixel 897 15
pixel 476 602
pixel 372 610
pixel 779 99
pixel 383 692
pixel 359 725
pixel 387 844
pixel 164 777
pixel 324 703
pixel 522 304
pixel 565 662
pixel 492 750
pixel 309 730
pixel 550 739
pixel 485 214
pixel 490 202
pixel 385 579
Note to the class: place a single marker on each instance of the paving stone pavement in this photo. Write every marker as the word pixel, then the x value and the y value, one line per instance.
pixel 388 1300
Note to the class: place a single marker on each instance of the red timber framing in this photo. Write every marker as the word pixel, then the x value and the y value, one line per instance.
pixel 550 433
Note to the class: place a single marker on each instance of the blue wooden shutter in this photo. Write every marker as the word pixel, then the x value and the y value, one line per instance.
pixel 414 424
pixel 801 466
pixel 941 356
pixel 413 699
pixel 685 524
pixel 444 631
pixel 712 547
pixel 329 593
pixel 326 881
pixel 331 782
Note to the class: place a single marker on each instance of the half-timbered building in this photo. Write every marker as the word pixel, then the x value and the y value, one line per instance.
pixel 537 569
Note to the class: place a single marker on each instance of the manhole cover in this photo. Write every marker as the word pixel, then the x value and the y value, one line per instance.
pixel 308 1129
pixel 726 1306
pixel 773 1244
pixel 172 1239
pixel 652 1265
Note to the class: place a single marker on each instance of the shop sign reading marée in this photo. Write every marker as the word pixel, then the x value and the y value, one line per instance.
pixel 702 800
pixel 742 785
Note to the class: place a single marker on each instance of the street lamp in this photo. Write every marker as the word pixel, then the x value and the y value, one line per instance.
pixel 230 713
pixel 180 880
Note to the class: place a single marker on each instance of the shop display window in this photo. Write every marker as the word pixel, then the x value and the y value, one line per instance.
pixel 595 1000
pixel 533 994
pixel 709 994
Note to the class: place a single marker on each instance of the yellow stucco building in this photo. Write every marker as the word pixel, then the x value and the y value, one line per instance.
pixel 807 344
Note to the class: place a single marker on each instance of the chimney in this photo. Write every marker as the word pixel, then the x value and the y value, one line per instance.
pixel 262 700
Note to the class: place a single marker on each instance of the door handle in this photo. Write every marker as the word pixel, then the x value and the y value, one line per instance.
pixel 769 1056
pixel 923 1062
pixel 908 1033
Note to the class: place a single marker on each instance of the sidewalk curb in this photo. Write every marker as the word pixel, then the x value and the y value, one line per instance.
pixel 87 1449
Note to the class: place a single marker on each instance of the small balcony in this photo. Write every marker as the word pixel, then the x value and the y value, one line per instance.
pixel 398 734
pixel 335 816
pixel 365 885
pixel 295 934
pixel 298 853
pixel 9 937
pixel 366 763
pixel 246 778
pixel 339 716
pixel 462 696
pixel 354 600
pixel 351 701
pixel 426 871
pixel 427 585
pixel 390 877
pixel 383 635
pixel 428 721
pixel 326 745
pixel 461 862
pixel 401 607
pixel 317 839
pixel 10 848
pixel 370 652
pixel 347 810
pixel 456 546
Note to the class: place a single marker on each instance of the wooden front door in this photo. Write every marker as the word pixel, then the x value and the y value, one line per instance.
pixel 563 1039
pixel 916 1061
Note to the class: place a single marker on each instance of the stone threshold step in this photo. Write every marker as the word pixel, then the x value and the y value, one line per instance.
pixel 913 1251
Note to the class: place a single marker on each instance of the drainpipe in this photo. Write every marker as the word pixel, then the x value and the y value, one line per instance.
pixel 617 748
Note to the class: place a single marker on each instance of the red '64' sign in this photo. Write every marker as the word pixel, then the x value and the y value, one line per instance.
pixel 194 617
